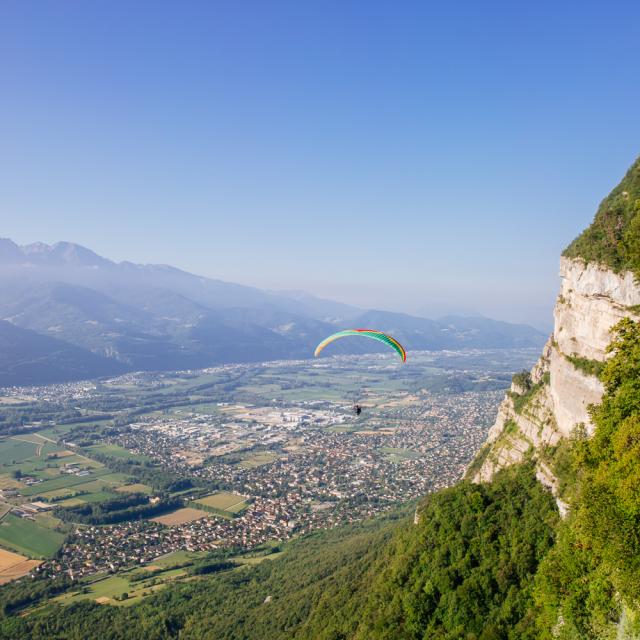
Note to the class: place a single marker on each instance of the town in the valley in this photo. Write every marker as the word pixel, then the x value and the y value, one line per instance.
pixel 104 477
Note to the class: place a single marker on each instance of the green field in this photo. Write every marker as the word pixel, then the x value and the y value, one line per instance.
pixel 177 385
pixel 204 407
pixel 223 501
pixel 57 432
pixel 398 455
pixel 63 482
pixel 31 454
pixel 83 498
pixel 115 478
pixel 59 462
pixel 303 394
pixel 177 558
pixel 70 502
pixel 111 589
pixel 98 496
pixel 92 490
pixel 7 482
pixel 29 437
pixel 257 459
pixel 48 521
pixel 135 488
pixel 16 451
pixel 264 389
pixel 28 537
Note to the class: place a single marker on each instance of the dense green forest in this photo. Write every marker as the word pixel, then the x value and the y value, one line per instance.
pixel 592 575
pixel 613 239
pixel 483 562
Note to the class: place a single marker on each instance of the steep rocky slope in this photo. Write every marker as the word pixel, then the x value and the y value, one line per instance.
pixel 599 287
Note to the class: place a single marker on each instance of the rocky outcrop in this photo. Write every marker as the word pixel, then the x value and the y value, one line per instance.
pixel 592 300
pixel 563 383
pixel 571 391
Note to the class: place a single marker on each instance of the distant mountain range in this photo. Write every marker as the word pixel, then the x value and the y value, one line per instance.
pixel 67 313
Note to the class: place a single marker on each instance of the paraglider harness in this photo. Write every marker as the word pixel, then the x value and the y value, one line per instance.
pixel 357 409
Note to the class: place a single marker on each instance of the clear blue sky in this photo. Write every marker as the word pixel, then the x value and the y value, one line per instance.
pixel 419 156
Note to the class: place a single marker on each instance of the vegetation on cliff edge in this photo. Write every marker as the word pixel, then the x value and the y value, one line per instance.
pixel 613 238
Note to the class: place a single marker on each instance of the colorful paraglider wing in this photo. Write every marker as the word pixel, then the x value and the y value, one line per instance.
pixel 365 333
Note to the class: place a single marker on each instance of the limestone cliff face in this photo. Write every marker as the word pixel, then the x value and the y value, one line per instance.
pixel 562 385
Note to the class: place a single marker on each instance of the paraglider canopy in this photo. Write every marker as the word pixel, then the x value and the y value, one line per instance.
pixel 365 333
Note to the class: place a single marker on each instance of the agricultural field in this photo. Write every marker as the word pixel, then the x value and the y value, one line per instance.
pixel 70 502
pixel 180 516
pixel 114 479
pixel 257 459
pixel 114 590
pixel 309 395
pixel 69 485
pixel 48 520
pixel 127 588
pixel 34 455
pixel 184 385
pixel 56 432
pixel 13 566
pixel 223 501
pixel 50 488
pixel 84 498
pixel 96 496
pixel 208 408
pixel 135 488
pixel 14 451
pixel 7 482
pixel 398 455
pixel 177 558
pixel 29 538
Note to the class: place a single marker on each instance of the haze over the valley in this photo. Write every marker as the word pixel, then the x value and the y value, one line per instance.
pixel 67 313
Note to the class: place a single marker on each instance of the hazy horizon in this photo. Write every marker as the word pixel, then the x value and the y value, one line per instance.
pixel 430 161
pixel 436 309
